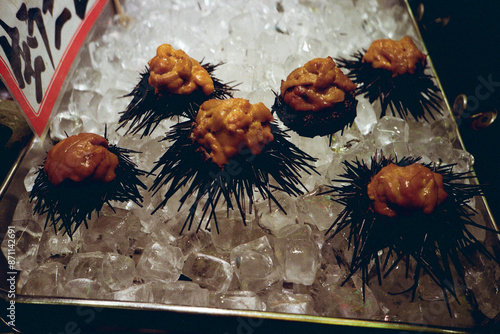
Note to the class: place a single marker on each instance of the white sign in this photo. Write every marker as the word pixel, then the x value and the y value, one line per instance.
pixel 39 40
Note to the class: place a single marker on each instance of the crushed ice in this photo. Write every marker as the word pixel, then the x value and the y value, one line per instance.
pixel 277 262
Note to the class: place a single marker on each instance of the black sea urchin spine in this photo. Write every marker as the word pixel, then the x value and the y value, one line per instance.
pixel 147 108
pixel 186 164
pixel 222 90
pixel 71 204
pixel 430 244
pixel 317 123
pixel 405 95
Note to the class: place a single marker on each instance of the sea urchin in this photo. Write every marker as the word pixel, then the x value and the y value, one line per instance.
pixel 396 77
pixel 226 152
pixel 172 84
pixel 427 242
pixel 71 185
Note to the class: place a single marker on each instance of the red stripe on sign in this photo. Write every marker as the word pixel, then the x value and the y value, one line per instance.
pixel 39 123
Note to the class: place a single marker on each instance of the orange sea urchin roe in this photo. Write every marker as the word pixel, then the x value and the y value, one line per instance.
pixel 399 57
pixel 174 72
pixel 80 157
pixel 406 189
pixel 226 127
pixel 316 86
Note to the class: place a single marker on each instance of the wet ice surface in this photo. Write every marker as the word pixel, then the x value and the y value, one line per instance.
pixel 276 262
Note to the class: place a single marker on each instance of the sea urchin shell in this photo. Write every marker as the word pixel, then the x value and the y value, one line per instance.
pixel 71 203
pixel 427 243
pixel 166 90
pixel 410 93
pixel 185 163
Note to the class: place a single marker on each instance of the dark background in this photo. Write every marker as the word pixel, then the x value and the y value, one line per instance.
pixel 463 40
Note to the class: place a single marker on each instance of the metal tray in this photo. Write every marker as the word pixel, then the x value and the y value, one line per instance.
pixel 66 315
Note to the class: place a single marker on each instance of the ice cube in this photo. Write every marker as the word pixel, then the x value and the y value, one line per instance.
pixel 112 104
pixel 439 149
pixel 311 47
pixel 239 300
pixel 445 128
pixel 482 277
pixel 85 265
pixel 86 78
pixel 160 262
pixel 271 217
pixel 231 230
pixel 265 96
pixel 272 222
pixel 30 178
pixel 420 132
pixel 397 149
pixel 255 265
pixel 366 119
pixel 181 293
pixel 45 280
pixel 288 303
pixel 65 124
pixel 58 247
pixel 335 15
pixel 110 232
pixel 240 25
pixel 83 288
pixel 390 129
pixel 436 312
pixel 240 74
pixel 338 250
pixel 428 289
pixel 91 125
pixel 118 271
pixel 318 147
pixel 193 242
pixel 25 244
pixel 318 209
pixel 295 21
pixel 464 161
pixel 136 293
pixel 332 274
pixel 347 301
pixel 382 25
pixel 342 142
pixel 292 62
pixel 298 254
pixel 148 222
pixel 24 210
pixel 151 150
pixel 268 76
pixel 282 45
pixel 218 28
pixel 390 293
pixel 84 102
pixel 208 271
pixel 294 232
